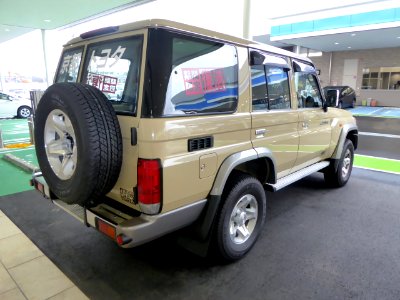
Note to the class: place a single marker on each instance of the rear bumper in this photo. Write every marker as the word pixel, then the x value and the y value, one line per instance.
pixel 135 230
pixel 145 228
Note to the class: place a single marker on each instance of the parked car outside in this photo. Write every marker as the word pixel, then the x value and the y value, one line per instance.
pixel 11 106
pixel 340 96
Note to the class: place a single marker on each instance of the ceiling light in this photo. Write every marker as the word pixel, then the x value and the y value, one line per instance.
pixel 398 37
pixel 348 47
pixel 353 34
pixel 336 43
pixel 47 20
pixel 6 29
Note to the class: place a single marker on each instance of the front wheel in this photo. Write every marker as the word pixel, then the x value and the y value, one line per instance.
pixel 340 176
pixel 241 218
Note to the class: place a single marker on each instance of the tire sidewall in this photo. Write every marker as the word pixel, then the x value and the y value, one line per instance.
pixel 228 248
pixel 20 109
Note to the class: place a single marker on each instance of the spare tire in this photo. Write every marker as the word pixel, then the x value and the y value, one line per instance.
pixel 78 143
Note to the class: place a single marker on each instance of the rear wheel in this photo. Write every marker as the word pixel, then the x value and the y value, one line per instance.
pixel 241 218
pixel 340 176
pixel 24 112
pixel 78 143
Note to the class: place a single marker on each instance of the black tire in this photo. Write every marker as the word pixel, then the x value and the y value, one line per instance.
pixel 24 112
pixel 340 176
pixel 242 186
pixel 96 139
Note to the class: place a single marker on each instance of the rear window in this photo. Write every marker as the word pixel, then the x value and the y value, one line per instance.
pixel 189 76
pixel 68 68
pixel 113 67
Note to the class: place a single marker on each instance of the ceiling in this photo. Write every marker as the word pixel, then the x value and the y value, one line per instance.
pixel 18 17
pixel 355 40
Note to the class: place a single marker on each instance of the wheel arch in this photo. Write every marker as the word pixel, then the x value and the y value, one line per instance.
pixel 257 162
pixel 349 131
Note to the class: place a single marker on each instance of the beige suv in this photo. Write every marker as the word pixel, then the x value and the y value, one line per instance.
pixel 155 126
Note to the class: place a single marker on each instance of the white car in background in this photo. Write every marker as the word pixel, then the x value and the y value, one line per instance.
pixel 11 106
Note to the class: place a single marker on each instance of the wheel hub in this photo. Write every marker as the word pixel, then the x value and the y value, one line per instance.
pixel 60 144
pixel 243 219
pixel 346 163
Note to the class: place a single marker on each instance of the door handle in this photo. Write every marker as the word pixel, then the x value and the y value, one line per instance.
pixel 261 131
pixel 324 122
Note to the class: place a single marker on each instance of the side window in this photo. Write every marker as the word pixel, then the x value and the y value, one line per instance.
pixel 307 89
pixel 278 88
pixel 192 76
pixel 113 67
pixel 259 88
pixel 68 68
pixel 270 87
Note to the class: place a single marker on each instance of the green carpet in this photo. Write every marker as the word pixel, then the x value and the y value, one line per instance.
pixel 14 179
pixel 377 163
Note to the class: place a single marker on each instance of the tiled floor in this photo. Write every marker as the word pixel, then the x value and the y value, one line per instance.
pixel 25 272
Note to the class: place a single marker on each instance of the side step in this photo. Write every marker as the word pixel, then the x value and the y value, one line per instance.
pixel 289 179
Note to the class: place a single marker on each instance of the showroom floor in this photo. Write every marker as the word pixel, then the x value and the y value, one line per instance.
pixel 317 243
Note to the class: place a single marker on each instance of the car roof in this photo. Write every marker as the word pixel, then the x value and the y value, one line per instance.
pixel 163 23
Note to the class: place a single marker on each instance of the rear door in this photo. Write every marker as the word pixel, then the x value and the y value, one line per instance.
pixel 113 64
pixel 274 122
pixel 314 123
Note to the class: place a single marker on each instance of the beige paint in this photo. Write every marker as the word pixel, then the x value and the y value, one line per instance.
pixel 188 177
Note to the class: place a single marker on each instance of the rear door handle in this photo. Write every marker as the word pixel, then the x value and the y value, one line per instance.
pixel 261 131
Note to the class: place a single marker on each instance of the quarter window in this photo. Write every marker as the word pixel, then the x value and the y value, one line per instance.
pixel 192 76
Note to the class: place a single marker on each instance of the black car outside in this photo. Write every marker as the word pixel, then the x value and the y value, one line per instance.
pixel 340 96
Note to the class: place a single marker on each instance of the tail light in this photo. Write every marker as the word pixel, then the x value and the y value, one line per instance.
pixel 149 185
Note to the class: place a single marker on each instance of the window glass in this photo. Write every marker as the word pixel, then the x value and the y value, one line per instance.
pixel 113 67
pixel 278 88
pixel 270 86
pixel 192 76
pixel 308 94
pixel 381 78
pixel 259 88
pixel 69 65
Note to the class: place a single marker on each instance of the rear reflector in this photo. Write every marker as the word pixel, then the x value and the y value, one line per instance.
pixel 123 239
pixel 105 228
pixel 149 185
